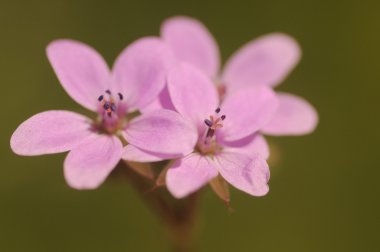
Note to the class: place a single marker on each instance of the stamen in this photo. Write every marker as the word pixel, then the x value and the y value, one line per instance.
pixel 121 97
pixel 213 123
pixel 110 106
pixel 208 122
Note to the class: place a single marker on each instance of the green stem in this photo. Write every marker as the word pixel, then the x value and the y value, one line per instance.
pixel 178 216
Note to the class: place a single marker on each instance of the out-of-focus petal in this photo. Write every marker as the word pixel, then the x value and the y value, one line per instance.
pixel 162 131
pixel 192 93
pixel 132 153
pixel 294 116
pixel 247 173
pixel 254 143
pixel 264 61
pixel 88 165
pixel 139 73
pixel 192 42
pixel 247 111
pixel 50 132
pixel 189 174
pixel 80 69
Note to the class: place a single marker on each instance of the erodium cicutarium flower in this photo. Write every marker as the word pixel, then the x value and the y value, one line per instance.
pixel 96 146
pixel 264 61
pixel 226 142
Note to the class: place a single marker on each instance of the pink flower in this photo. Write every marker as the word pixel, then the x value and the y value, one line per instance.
pixel 95 146
pixel 264 61
pixel 226 141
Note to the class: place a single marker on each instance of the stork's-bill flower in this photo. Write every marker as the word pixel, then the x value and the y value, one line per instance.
pixel 96 146
pixel 227 143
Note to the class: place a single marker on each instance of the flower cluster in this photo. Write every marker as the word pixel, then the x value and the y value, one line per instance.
pixel 165 98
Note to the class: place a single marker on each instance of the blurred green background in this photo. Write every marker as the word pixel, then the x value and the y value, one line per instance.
pixel 324 187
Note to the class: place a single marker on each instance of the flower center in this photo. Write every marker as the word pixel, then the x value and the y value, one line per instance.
pixel 208 144
pixel 111 112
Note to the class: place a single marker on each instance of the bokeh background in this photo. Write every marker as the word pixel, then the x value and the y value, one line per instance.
pixel 324 187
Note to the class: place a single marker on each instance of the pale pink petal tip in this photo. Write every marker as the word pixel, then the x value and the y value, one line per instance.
pixel 189 174
pixel 80 69
pixel 191 42
pixel 295 116
pixel 88 165
pixel 264 61
pixel 247 173
pixel 50 132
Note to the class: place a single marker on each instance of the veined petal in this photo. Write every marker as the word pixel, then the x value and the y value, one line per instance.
pixel 247 111
pixel 264 61
pixel 80 69
pixel 132 153
pixel 163 132
pixel 50 132
pixel 139 73
pixel 88 165
pixel 192 93
pixel 192 43
pixel 247 173
pixel 294 116
pixel 189 174
pixel 254 143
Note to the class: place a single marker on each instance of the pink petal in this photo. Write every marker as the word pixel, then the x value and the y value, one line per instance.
pixel 163 101
pixel 132 153
pixel 140 71
pixel 254 143
pixel 88 165
pixel 264 61
pixel 192 93
pixel 189 174
pixel 294 116
pixel 82 72
pixel 192 43
pixel 163 132
pixel 247 173
pixel 50 132
pixel 247 111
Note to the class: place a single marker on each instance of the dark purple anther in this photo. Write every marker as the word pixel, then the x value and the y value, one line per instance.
pixel 106 106
pixel 208 122
pixel 223 117
pixel 113 107
pixel 100 98
pixel 120 96
pixel 108 91
pixel 217 110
